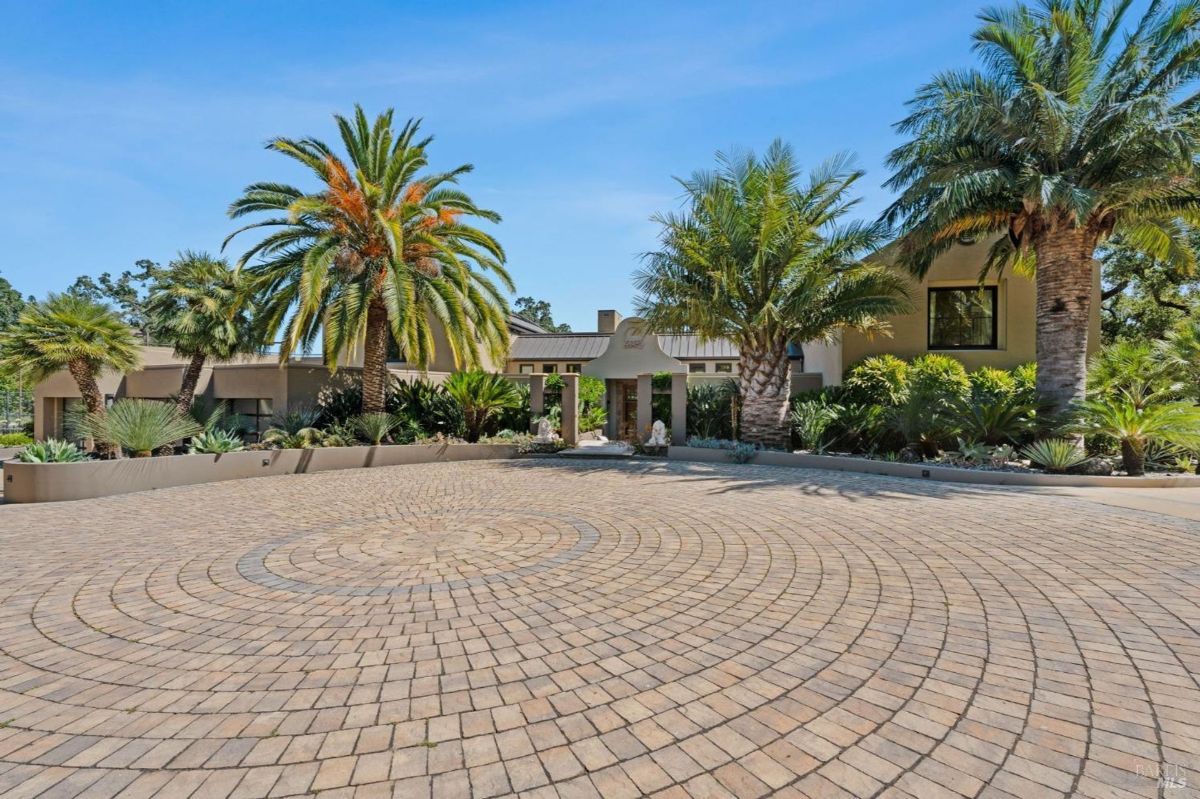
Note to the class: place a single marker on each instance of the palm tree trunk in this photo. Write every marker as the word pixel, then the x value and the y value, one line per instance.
pixel 375 372
pixel 93 400
pixel 187 389
pixel 766 381
pixel 1133 458
pixel 1064 304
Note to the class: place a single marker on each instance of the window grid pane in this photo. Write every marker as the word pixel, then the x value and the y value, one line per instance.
pixel 962 318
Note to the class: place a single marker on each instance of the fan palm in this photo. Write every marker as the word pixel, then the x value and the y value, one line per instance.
pixel 1080 124
pixel 481 395
pixel 378 250
pixel 1181 350
pixel 202 307
pixel 72 333
pixel 759 257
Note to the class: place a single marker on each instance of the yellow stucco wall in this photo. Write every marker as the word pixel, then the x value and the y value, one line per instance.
pixel 960 267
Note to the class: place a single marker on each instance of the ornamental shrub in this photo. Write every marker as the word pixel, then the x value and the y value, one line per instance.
pixel 877 380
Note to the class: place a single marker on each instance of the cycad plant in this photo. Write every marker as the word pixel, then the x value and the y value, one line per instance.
pixel 139 426
pixel 202 307
pixel 379 250
pixel 764 258
pixel 1080 124
pixel 71 333
pixel 1136 425
pixel 481 395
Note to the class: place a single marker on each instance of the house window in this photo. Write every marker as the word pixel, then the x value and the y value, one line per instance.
pixel 549 368
pixel 724 367
pixel 962 318
pixel 573 368
pixel 697 368
pixel 254 415
pixel 394 353
pixel 525 369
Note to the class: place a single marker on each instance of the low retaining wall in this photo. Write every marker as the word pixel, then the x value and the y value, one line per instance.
pixel 928 471
pixel 55 482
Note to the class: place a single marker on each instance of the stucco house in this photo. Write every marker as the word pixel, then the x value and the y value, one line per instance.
pixel 982 325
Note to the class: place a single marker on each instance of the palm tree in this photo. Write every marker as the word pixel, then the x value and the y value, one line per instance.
pixel 202 307
pixel 379 249
pixel 1080 125
pixel 72 333
pixel 759 258
pixel 481 395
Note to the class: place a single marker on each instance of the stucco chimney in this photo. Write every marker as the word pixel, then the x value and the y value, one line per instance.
pixel 606 321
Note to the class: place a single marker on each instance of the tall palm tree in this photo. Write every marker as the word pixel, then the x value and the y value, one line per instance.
pixel 759 257
pixel 202 307
pixel 1081 124
pixel 379 249
pixel 72 333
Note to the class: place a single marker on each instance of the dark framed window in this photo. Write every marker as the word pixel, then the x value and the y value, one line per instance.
pixel 549 368
pixel 724 367
pixel 697 368
pixel 254 415
pixel 525 368
pixel 962 318
pixel 574 368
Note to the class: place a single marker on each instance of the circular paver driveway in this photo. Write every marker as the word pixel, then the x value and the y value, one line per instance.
pixel 597 629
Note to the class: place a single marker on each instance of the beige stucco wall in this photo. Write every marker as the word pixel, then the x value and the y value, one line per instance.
pixel 960 267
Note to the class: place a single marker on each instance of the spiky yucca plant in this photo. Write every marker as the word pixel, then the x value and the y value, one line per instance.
pixel 380 249
pixel 139 426
pixel 1055 454
pixel 374 427
pixel 1081 124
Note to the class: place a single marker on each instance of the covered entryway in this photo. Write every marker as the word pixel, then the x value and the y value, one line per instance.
pixel 627 366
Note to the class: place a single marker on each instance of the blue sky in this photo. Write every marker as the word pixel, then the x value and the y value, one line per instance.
pixel 127 128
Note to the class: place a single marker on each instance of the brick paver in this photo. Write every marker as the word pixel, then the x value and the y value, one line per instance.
pixel 612 630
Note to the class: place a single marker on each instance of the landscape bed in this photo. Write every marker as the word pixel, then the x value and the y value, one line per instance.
pixel 57 482
pixel 930 471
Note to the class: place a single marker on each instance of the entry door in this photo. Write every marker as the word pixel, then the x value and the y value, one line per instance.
pixel 628 430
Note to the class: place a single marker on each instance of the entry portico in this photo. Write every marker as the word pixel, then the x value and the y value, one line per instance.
pixel 627 366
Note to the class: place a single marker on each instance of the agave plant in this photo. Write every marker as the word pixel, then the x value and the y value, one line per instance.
pixel 1136 425
pixel 304 438
pixel 139 426
pixel 1055 455
pixel 215 442
pixel 374 427
pixel 51 451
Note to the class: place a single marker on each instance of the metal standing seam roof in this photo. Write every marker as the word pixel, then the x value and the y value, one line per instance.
pixel 583 346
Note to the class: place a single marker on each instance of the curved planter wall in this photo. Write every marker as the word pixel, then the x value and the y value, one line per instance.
pixel 947 474
pixel 55 482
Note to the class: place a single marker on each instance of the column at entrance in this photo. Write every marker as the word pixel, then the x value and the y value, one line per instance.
pixel 570 409
pixel 645 390
pixel 679 409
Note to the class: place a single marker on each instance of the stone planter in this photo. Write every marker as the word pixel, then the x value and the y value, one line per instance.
pixel 927 471
pixel 55 482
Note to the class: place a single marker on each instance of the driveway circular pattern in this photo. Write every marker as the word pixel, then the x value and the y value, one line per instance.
pixel 605 629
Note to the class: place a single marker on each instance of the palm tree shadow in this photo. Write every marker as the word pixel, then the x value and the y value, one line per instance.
pixel 732 478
